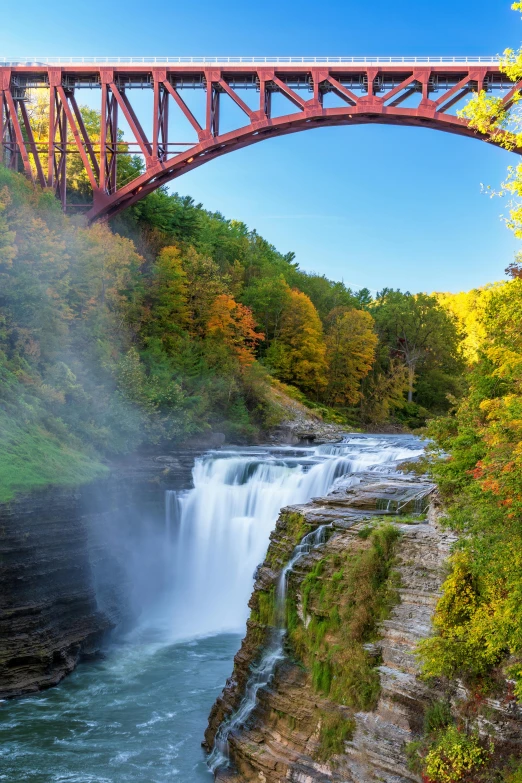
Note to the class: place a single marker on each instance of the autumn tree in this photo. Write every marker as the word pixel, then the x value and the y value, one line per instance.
pixel 204 284
pixel 325 294
pixel 103 275
pixel 232 325
pixel 34 282
pixel 382 390
pixel 128 166
pixel 298 355
pixel 468 309
pixel 350 350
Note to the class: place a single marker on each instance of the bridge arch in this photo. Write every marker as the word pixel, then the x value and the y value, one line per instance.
pixel 369 91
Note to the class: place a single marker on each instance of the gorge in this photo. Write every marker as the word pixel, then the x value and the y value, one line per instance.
pixel 259 523
pixel 187 573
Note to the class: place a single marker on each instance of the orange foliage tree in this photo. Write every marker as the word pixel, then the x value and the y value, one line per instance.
pixel 232 324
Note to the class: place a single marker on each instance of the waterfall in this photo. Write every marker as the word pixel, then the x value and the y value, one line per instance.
pixel 332 461
pixel 172 514
pixel 217 533
pixel 311 541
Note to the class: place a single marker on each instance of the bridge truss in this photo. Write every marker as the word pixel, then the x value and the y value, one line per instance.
pixel 416 92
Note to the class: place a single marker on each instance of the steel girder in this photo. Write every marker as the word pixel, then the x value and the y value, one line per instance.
pixel 367 94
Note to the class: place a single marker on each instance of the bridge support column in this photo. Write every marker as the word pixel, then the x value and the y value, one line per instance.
pixel 108 135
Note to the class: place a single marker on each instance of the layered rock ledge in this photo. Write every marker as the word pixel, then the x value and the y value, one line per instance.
pixel 281 740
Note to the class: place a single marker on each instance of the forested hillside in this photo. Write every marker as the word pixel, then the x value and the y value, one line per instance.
pixel 477 462
pixel 174 321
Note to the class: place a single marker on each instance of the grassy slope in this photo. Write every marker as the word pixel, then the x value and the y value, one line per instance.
pixel 32 458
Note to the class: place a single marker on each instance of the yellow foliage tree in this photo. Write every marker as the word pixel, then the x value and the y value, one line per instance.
pixel 469 307
pixel 350 349
pixel 166 311
pixel 128 166
pixel 298 355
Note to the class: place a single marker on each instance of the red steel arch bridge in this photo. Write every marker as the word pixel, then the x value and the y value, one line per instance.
pixel 320 91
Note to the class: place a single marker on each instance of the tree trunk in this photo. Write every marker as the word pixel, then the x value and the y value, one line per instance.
pixel 411 376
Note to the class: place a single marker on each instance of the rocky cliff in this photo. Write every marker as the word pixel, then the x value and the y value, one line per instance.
pixel 48 609
pixel 344 699
pixel 62 587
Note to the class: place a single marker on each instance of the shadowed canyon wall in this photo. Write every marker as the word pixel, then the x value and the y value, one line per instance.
pixel 63 581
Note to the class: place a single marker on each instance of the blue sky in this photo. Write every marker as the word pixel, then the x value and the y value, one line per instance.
pixel 376 206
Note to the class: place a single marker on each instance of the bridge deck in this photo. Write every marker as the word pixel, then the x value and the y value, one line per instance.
pixel 279 61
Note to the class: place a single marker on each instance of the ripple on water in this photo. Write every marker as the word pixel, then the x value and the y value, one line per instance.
pixel 144 729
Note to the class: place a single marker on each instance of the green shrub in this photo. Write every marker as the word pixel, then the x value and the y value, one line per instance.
pixel 513 772
pixel 336 729
pixel 437 716
pixel 33 458
pixel 454 756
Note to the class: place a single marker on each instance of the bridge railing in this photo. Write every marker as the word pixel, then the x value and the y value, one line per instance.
pixel 34 61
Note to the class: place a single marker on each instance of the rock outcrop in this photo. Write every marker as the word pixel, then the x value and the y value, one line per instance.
pixel 282 738
pixel 49 614
pixel 298 423
pixel 61 587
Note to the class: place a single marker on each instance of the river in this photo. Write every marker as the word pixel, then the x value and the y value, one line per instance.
pixel 138 715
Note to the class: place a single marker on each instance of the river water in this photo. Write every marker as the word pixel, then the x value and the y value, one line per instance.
pixel 138 715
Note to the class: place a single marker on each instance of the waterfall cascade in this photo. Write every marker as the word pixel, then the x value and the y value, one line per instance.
pixel 217 533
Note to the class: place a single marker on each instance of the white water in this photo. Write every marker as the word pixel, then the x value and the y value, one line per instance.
pixel 217 533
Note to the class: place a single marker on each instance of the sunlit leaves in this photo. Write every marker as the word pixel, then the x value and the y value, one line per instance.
pixel 233 325
pixel 350 349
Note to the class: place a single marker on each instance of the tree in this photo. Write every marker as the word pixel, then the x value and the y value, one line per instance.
pixel 128 166
pixel 170 216
pixel 363 297
pixel 103 270
pixel 350 350
pixel 493 116
pixel 233 325
pixel 325 294
pixel 382 390
pixel 204 284
pixel 166 303
pixel 417 330
pixel 298 355
pixel 268 297
pixel 7 237
pixel 468 308
pixel 479 618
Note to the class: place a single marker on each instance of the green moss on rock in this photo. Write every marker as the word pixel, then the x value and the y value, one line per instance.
pixel 290 530
pixel 343 599
pixel 335 729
